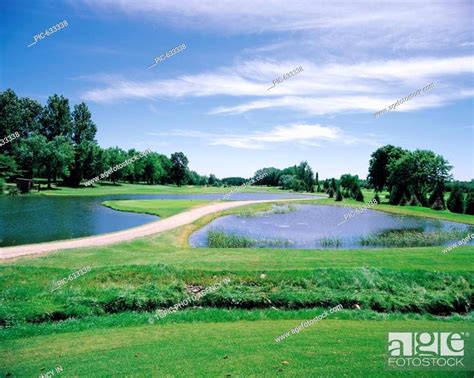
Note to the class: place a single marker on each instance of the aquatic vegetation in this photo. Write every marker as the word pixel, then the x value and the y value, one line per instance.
pixel 283 209
pixel 219 239
pixel 330 242
pixel 411 237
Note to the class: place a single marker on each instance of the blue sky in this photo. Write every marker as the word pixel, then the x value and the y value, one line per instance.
pixel 211 100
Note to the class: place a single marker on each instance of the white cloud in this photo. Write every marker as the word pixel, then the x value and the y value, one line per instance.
pixel 403 24
pixel 299 134
pixel 320 89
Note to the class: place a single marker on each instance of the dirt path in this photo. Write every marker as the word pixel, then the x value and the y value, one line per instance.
pixel 174 221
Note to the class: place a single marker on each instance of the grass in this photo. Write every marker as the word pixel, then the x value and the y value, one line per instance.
pixel 106 290
pixel 98 324
pixel 219 239
pixel 122 188
pixel 242 348
pixel 412 237
pixel 162 208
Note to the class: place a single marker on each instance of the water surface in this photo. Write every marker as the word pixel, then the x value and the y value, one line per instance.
pixel 309 224
pixel 35 219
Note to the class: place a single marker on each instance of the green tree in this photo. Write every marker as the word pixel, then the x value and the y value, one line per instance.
pixel 470 203
pixel 436 200
pixel 56 156
pixel 339 194
pixel 56 119
pixel 330 192
pixel 270 176
pixel 347 181
pixel 212 180
pixel 305 174
pixel 83 142
pixel 153 169
pixel 455 201
pixel 379 163
pixel 179 167
pixel 114 156
pixel 7 167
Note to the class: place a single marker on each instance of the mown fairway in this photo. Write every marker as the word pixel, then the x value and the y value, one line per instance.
pixel 241 348
pixel 103 316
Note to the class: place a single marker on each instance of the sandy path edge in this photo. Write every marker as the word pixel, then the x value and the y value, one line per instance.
pixel 155 227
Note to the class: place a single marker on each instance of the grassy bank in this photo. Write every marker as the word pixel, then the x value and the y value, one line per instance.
pixel 162 208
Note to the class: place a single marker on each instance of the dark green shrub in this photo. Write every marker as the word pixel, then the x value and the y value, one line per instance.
pixel 455 201
pixel 338 195
pixel 470 203
pixel 438 204
pixel 359 196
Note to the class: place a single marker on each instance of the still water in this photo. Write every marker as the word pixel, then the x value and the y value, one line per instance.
pixel 36 219
pixel 307 225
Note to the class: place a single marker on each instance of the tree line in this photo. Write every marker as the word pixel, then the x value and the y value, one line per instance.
pixel 418 178
pixel 59 144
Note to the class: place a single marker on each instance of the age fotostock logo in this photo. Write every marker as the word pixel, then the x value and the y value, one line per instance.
pixel 434 350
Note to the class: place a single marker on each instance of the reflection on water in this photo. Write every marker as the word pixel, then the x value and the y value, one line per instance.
pixel 314 226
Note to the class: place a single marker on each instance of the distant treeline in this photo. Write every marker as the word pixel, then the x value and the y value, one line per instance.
pixel 59 145
pixel 56 143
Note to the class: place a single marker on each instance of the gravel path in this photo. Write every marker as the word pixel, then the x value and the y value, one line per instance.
pixel 161 225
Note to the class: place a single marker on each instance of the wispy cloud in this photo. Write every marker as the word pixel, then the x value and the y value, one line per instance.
pixel 300 134
pixel 396 25
pixel 320 89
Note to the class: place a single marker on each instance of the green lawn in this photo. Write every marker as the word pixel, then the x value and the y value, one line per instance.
pixel 242 348
pixel 162 208
pixel 122 188
pixel 106 331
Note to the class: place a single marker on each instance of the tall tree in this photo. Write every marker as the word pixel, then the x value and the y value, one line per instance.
pixel 470 202
pixel 179 167
pixel 378 166
pixel 455 201
pixel 56 118
pixel 83 142
pixel 306 175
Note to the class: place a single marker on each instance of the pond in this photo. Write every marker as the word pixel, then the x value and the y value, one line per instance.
pixel 35 219
pixel 319 226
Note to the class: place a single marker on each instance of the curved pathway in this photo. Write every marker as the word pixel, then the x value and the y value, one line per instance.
pixel 161 225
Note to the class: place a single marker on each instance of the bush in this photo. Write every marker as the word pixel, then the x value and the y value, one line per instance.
pixel 338 195
pixel 470 203
pixel 359 196
pixel 455 201
pixel 438 204
pixel 331 192
pixel 2 185
pixel 403 200
pixel 13 191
